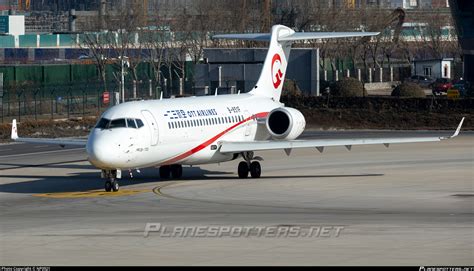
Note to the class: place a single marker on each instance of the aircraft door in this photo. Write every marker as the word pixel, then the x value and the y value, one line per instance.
pixel 152 126
pixel 247 125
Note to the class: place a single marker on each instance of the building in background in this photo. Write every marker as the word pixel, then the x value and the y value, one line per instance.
pixel 463 15
pixel 434 68
pixel 12 25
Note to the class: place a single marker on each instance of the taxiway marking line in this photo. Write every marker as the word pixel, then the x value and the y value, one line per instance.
pixel 91 194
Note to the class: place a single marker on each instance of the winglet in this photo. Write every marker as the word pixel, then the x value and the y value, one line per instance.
pixel 458 129
pixel 14 134
pixel 456 133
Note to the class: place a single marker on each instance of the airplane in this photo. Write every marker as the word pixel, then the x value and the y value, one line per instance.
pixel 170 133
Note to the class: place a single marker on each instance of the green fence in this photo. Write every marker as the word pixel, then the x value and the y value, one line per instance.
pixel 67 73
pixel 29 40
pixel 48 40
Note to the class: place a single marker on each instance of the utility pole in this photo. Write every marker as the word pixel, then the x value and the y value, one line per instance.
pixel 102 14
pixel 122 80
pixel 266 15
pixel 243 10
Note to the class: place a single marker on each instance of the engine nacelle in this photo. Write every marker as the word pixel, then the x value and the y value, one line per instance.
pixel 285 123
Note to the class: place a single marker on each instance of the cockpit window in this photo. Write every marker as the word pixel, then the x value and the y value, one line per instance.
pixel 131 123
pixel 103 123
pixel 118 123
pixel 139 123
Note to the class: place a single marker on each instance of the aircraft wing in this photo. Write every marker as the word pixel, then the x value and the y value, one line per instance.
pixel 50 141
pixel 242 146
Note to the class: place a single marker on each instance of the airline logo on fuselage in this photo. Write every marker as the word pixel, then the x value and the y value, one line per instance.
pixel 181 114
pixel 277 75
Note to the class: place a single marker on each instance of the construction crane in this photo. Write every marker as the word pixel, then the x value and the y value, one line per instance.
pixel 23 4
pixel 398 16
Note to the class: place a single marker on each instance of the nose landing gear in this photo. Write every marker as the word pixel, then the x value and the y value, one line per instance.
pixel 111 175
pixel 249 166
pixel 112 185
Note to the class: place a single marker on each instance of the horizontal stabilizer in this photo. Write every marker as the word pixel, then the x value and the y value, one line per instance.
pixel 325 35
pixel 253 36
pixel 295 36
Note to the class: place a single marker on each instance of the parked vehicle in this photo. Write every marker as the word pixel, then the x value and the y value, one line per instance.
pixel 464 88
pixel 421 80
pixel 441 85
pixel 83 56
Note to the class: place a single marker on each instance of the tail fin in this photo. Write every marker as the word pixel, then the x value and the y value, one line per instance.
pixel 270 82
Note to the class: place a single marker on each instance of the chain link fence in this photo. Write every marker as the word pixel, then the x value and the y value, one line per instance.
pixel 69 100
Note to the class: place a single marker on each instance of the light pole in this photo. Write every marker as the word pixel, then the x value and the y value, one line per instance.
pixel 122 87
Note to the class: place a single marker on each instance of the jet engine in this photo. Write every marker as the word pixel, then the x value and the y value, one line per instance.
pixel 285 123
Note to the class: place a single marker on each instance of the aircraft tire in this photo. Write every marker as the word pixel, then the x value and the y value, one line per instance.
pixel 108 186
pixel 255 169
pixel 115 186
pixel 243 170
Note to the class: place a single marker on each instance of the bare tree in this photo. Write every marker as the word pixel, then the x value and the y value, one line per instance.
pixel 97 44
pixel 435 37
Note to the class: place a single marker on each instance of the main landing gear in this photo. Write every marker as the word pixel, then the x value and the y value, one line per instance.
pixel 176 171
pixel 249 166
pixel 111 175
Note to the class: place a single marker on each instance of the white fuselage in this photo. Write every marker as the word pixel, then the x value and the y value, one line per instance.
pixel 178 131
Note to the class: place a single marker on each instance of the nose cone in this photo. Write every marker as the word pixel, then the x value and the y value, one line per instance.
pixel 102 151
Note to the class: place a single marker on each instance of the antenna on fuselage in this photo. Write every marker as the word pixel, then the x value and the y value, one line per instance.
pixel 238 93
pixel 215 93
pixel 161 95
